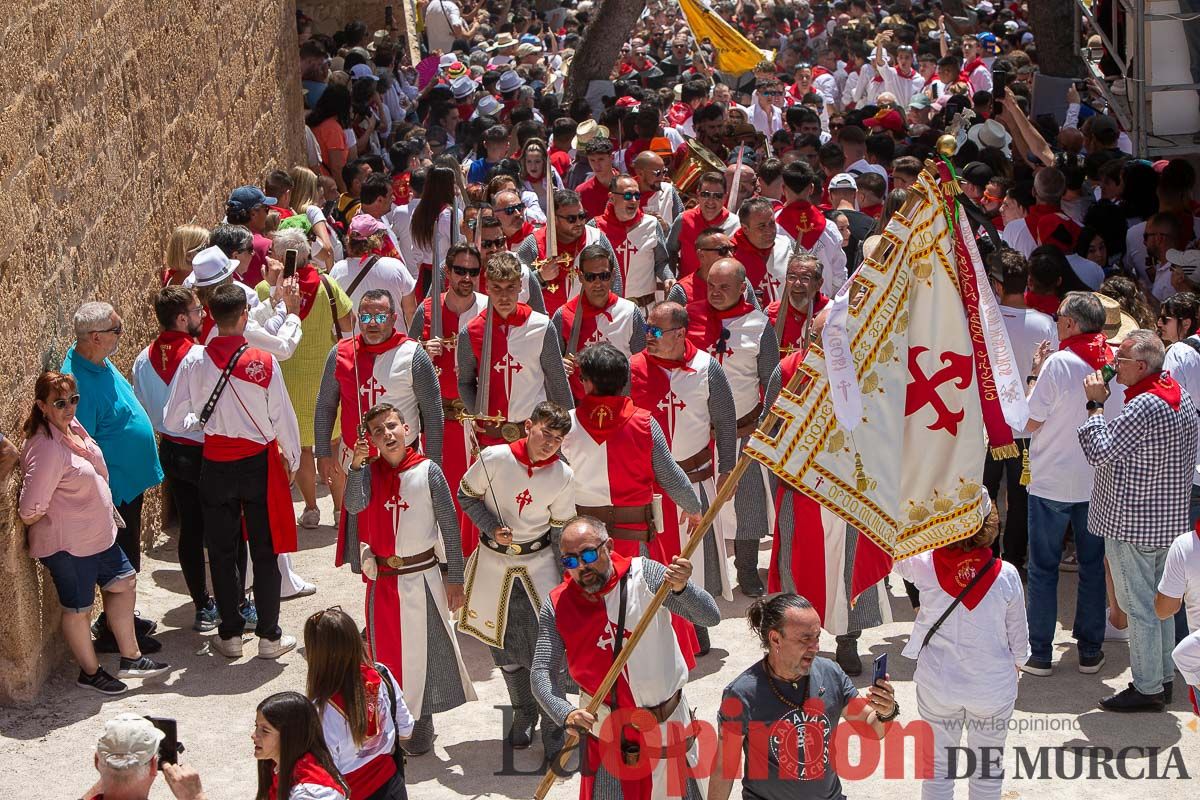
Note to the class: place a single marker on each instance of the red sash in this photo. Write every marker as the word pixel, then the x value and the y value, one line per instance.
pixel 754 259
pixel 354 402
pixel 803 221
pixel 691 223
pixel 497 392
pixel 310 281
pixel 955 568
pixel 617 232
pixel 167 351
pixel 793 322
pixel 1162 386
pixel 1093 348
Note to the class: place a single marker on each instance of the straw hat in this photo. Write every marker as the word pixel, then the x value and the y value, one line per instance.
pixel 1117 324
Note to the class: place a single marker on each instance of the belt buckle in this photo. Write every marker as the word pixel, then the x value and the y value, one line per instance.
pixel 395 562
pixel 510 431
pixel 515 549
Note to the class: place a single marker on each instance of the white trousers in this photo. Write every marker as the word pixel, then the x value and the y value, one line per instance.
pixel 986 726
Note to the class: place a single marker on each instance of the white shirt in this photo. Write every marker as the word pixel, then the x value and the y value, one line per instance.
pixel 419 255
pixel 388 273
pixel 152 393
pixel 1181 575
pixel 347 756
pixel 1059 470
pixel 1183 362
pixel 441 17
pixel 399 219
pixel 1017 236
pixel 1026 329
pixel 1091 273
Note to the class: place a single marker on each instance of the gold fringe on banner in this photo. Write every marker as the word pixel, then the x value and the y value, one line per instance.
pixel 1006 451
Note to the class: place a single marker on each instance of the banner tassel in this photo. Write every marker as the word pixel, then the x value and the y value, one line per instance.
pixel 1009 450
pixel 1026 473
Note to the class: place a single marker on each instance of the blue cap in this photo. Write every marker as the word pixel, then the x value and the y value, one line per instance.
pixel 246 198
pixel 528 38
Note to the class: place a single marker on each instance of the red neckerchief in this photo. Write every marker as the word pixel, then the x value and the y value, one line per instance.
pixel 520 236
pixel 498 393
pixel 307 770
pixel 167 351
pixel 617 233
pixel 603 416
pixel 386 249
pixel 909 76
pixel 872 211
pixel 395 340
pixel 645 196
pixel 1091 347
pixel 793 323
pixel 819 71
pixel 520 451
pixel 803 221
pixel 679 114
pixel 1045 303
pixel 402 188
pixel 207 326
pixel 379 528
pixel 704 321
pixel 965 75
pixel 371 683
pixel 753 258
pixel 310 282
pixel 689 352
pixel 222 348
pixel 1161 385
pixel 955 568
pixel 283 211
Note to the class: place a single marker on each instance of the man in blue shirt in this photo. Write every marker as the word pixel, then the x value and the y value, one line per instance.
pixel 496 145
pixel 112 415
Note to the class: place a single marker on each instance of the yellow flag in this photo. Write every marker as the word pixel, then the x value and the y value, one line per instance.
pixel 734 53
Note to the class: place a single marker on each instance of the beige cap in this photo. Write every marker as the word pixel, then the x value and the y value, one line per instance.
pixel 128 740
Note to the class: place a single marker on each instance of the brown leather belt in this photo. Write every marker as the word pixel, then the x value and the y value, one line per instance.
pixel 404 565
pixel 508 430
pixel 663 711
pixel 543 542
pixel 453 409
pixel 699 467
pixel 749 423
pixel 612 516
pixel 643 301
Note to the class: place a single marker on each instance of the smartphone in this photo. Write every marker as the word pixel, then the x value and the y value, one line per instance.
pixel 170 748
pixel 880 669
pixel 388 17
pixel 289 263
pixel 999 83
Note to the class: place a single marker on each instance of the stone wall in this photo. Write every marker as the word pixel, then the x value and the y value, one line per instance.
pixel 123 119
pixel 331 15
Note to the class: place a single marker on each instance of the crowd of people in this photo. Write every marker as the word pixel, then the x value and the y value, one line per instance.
pixel 522 340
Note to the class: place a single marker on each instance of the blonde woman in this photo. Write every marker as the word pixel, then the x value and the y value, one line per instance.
pixel 185 242
pixel 306 199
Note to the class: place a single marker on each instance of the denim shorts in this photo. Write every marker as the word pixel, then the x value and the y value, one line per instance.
pixel 76 577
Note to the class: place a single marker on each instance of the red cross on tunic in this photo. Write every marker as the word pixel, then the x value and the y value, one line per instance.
pixel 769 286
pixel 625 251
pixel 371 391
pixel 397 506
pixel 523 499
pixel 509 366
pixel 671 404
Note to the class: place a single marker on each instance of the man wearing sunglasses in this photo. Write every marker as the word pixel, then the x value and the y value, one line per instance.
pixel 378 365
pixel 597 315
pixel 762 248
pixel 710 212
pixel 577 631
pixel 658 197
pixel 493 242
pixel 764 111
pixel 712 245
pixel 510 211
pixel 519 496
pixel 805 223
pixel 638 240
pixel 525 365
pixel 802 296
pixel 741 339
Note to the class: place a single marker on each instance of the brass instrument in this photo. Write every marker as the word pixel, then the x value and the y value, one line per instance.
pixel 699 160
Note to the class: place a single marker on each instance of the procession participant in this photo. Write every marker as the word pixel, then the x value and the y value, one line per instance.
pixel 559 276
pixel 597 315
pixel 805 223
pixel 658 197
pixel 511 212
pixel 638 241
pixel 742 340
pixel 576 630
pixel 802 296
pixel 593 192
pixel 461 303
pixel 179 316
pixel 491 242
pixel 379 365
pixel 519 495
pixel 686 392
pixel 522 358
pixel 712 245
pixel 403 515
pixel 710 212
pixel 236 396
pixel 762 247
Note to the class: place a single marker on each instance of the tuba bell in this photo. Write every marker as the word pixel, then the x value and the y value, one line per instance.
pixel 698 160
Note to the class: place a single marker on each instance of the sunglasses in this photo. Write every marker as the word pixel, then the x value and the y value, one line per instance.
pixel 658 172
pixel 378 319
pixel 724 250
pixel 489 243
pixel 63 402
pixel 588 556
pixel 468 272
pixel 117 330
pixel 513 209
pixel 592 277
pixel 712 195
pixel 771 94
pixel 627 195
pixel 573 218
pixel 657 332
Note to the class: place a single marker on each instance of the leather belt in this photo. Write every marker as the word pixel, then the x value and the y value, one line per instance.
pixel 404 565
pixel 453 409
pixel 516 548
pixel 612 516
pixel 663 711
pixel 699 467
pixel 749 423
pixel 508 430
pixel 643 301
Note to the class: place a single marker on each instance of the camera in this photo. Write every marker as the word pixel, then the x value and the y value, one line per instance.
pixel 170 747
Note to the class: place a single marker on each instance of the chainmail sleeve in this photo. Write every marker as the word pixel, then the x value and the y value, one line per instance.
pixel 479 513
pixel 693 603
pixel 447 520
pixel 358 490
pixel 429 402
pixel 723 413
pixel 416 328
pixel 526 253
pixel 328 399
pixel 558 390
pixel 537 301
pixel 768 355
pixel 771 393
pixel 549 657
pixel 468 368
pixel 662 261
pixel 673 480
pixel 677 295
pixel 637 339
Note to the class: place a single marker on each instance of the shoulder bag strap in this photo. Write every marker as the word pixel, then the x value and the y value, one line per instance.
pixel 978 577
pixel 397 752
pixel 332 307
pixel 359 277
pixel 222 382
pixel 619 636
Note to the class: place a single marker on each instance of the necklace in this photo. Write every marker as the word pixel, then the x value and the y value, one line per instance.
pixel 801 685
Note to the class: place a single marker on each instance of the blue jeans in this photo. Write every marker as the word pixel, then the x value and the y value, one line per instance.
pixel 1047 523
pixel 1136 571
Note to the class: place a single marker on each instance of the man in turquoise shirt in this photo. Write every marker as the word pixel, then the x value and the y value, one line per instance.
pixel 111 413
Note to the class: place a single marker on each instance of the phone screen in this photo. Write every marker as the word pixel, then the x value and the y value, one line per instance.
pixel 168 749
pixel 289 263
pixel 880 668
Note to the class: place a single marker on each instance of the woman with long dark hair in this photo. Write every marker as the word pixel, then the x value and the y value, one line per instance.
pixel 328 122
pixel 431 218
pixel 362 708
pixel 293 761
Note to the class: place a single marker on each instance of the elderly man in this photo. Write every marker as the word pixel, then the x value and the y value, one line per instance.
pixel 711 246
pixel 658 198
pixel 127 759
pixel 763 249
pixel 638 240
pixel 510 210
pixel 1060 485
pixel 710 212
pixel 109 410
pixel 801 302
pixel 602 598
pixel 1144 460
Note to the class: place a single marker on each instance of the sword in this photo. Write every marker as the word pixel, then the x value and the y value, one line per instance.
pixel 737 181
pixel 576 328
pixel 435 291
pixel 482 396
pixel 362 428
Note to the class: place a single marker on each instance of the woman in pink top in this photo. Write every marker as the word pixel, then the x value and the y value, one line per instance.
pixel 67 506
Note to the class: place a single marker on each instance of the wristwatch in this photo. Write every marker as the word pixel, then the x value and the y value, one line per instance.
pixel 1092 405
pixel 888 718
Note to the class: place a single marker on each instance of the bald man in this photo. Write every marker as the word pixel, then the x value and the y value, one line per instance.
pixel 658 197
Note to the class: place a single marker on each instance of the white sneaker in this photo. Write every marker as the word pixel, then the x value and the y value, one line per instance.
pixel 310 518
pixel 230 648
pixel 305 590
pixel 1113 633
pixel 274 649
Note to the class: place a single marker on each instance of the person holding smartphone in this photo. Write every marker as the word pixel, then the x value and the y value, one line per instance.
pixel 128 759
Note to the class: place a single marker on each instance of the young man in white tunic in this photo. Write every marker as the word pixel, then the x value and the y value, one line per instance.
pixel 638 240
pixel 519 495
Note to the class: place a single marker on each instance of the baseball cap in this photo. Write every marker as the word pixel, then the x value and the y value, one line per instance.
pixel 843 180
pixel 526 49
pixel 247 198
pixel 919 101
pixel 128 740
pixel 888 119
pixel 364 226
pixel 977 173
pixel 447 59
pixel 211 266
pixel 528 38
pixel 362 72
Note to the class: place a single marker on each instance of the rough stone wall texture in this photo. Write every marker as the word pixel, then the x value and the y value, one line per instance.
pixel 122 119
pixel 330 15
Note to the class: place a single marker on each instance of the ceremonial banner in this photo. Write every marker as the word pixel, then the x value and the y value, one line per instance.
pixel 887 429
pixel 734 53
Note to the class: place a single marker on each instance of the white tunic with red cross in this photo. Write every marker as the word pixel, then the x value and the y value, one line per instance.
pixel 521 384
pixel 740 359
pixel 383 378
pixel 635 243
